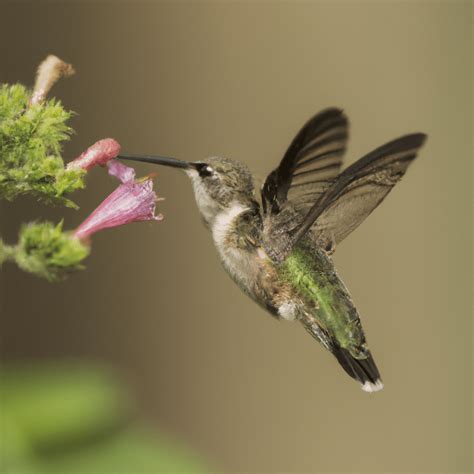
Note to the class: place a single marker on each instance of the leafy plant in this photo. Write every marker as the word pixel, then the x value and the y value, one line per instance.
pixel 31 138
pixel 32 132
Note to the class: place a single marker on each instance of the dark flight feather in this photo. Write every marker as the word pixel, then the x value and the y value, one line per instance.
pixel 360 188
pixel 340 203
pixel 362 370
pixel 313 158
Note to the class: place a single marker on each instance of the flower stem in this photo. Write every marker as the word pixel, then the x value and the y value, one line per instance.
pixel 7 252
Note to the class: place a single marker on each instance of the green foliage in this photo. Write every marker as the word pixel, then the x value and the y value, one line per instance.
pixel 67 417
pixel 62 402
pixel 6 252
pixel 45 250
pixel 31 139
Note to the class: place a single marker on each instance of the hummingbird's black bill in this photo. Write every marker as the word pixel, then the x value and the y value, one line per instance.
pixel 157 160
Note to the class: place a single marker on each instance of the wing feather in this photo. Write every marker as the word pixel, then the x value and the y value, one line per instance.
pixel 307 193
pixel 314 157
pixel 360 189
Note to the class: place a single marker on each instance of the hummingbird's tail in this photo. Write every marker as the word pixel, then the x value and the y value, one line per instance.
pixel 363 370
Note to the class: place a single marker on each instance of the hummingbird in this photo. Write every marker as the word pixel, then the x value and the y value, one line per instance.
pixel 278 248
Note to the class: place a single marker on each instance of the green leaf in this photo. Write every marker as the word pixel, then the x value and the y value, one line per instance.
pixel 63 417
pixel 31 139
pixel 45 250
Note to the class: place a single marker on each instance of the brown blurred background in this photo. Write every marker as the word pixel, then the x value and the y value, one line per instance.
pixel 238 80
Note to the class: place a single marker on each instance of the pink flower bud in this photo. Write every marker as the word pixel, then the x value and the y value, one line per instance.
pixel 100 153
pixel 132 201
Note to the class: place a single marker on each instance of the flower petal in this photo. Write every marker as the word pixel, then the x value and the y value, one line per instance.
pixel 130 202
pixel 121 172
pixel 99 153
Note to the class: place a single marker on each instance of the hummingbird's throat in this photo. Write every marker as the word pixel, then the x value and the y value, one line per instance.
pixel 208 207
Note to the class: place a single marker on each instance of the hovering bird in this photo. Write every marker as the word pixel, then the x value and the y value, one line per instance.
pixel 278 250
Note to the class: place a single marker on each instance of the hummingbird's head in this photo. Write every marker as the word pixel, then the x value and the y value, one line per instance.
pixel 218 183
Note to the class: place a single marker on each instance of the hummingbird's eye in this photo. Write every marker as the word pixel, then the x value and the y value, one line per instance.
pixel 205 170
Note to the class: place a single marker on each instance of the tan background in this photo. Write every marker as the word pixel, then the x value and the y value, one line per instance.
pixel 238 80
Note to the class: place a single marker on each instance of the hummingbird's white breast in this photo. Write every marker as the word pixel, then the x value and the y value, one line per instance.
pixel 251 269
pixel 239 263
pixel 242 257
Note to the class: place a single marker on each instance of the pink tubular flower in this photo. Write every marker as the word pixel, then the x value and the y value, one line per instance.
pixel 100 153
pixel 132 201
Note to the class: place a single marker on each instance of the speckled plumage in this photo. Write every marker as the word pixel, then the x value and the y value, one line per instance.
pixel 306 278
pixel 279 250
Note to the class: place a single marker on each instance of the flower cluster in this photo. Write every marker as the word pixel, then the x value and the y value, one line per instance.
pixel 32 130
pixel 46 250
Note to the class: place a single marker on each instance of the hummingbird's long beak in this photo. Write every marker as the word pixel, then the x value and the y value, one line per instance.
pixel 157 160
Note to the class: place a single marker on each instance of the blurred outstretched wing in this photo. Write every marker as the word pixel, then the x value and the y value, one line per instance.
pixel 360 188
pixel 345 203
pixel 311 162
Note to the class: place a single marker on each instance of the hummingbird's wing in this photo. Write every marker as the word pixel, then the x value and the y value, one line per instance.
pixel 360 188
pixel 311 162
pixel 355 193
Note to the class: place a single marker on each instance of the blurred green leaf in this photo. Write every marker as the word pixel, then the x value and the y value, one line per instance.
pixel 75 419
pixel 53 403
pixel 131 452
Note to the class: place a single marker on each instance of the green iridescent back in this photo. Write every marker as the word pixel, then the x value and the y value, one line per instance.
pixel 311 273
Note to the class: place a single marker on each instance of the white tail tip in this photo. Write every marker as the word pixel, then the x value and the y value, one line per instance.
pixel 372 387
